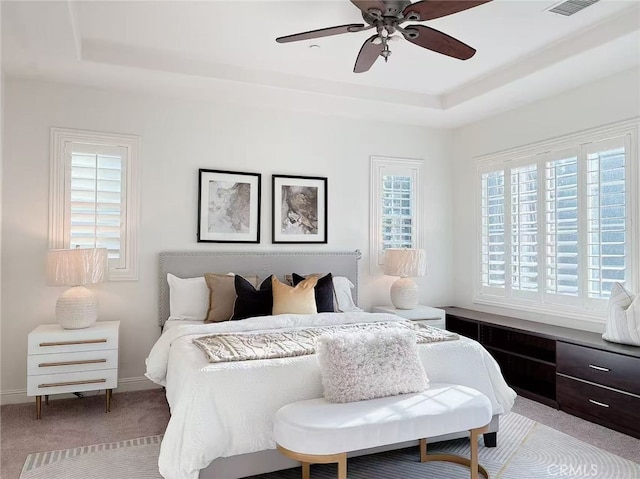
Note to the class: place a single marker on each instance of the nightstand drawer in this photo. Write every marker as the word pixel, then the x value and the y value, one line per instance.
pixel 65 341
pixel 601 367
pixel 72 382
pixel 72 362
pixel 601 405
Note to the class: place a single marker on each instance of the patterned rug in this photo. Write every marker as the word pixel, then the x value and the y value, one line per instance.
pixel 526 450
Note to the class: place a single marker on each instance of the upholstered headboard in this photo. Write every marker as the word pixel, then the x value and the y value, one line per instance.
pixel 188 264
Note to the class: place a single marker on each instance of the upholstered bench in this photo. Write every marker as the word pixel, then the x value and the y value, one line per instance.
pixel 317 431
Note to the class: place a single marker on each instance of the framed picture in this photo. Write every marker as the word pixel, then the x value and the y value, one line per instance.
pixel 228 207
pixel 299 209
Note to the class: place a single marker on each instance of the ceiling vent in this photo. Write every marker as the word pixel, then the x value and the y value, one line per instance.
pixel 571 6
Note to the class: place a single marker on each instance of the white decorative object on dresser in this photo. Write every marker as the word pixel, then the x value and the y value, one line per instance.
pixel 72 360
pixel 423 314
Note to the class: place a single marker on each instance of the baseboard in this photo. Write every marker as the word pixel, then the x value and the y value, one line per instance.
pixel 17 396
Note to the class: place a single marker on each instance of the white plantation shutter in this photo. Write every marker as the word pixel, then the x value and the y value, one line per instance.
pixel 97 199
pixel 398 211
pixel 493 252
pixel 93 196
pixel 562 224
pixel 568 236
pixel 524 228
pixel 606 216
pixel 395 207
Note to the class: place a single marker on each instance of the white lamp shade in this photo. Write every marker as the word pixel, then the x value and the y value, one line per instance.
pixel 405 262
pixel 75 267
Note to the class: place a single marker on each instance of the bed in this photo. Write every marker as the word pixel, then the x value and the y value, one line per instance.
pixel 222 414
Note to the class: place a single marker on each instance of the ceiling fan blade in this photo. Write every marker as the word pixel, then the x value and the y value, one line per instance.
pixel 366 5
pixel 368 55
pixel 323 32
pixel 431 9
pixel 438 42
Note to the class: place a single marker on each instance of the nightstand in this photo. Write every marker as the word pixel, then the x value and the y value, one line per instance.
pixel 424 314
pixel 72 360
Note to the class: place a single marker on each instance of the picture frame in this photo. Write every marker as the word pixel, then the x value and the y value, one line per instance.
pixel 299 209
pixel 228 206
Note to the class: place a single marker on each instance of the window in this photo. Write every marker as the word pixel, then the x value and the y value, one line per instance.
pixel 555 225
pixel 395 206
pixel 94 196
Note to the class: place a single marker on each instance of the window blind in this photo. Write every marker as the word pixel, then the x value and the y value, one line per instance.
pixel 397 212
pixel 524 228
pixel 561 223
pixel 566 239
pixel 96 199
pixel 493 253
pixel 606 217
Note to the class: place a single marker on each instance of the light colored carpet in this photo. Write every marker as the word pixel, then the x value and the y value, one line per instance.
pixel 527 449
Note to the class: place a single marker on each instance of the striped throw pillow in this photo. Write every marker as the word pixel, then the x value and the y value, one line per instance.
pixel 623 318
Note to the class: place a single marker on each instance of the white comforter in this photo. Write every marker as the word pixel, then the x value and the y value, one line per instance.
pixel 225 409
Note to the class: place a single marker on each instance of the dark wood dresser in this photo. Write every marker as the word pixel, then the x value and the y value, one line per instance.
pixel 575 371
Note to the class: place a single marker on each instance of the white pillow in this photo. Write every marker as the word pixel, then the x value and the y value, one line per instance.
pixel 623 317
pixel 188 298
pixel 360 366
pixel 342 287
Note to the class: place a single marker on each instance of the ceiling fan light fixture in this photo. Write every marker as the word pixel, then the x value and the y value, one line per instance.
pixel 387 16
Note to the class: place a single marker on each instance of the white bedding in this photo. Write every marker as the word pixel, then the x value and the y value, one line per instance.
pixel 174 323
pixel 226 409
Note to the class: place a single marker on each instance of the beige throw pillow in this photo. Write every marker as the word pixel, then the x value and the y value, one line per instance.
pixel 298 300
pixel 222 295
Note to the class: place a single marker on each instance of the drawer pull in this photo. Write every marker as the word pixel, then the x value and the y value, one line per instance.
pixel 599 368
pixel 68 343
pixel 601 404
pixel 74 383
pixel 71 363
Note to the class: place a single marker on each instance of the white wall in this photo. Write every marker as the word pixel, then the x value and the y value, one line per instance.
pixel 178 137
pixel 609 100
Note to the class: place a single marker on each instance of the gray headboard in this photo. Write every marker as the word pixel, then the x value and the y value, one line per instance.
pixel 188 264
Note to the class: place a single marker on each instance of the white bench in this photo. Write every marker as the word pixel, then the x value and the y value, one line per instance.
pixel 317 431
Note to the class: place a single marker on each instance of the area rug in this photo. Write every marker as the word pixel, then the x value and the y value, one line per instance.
pixel 526 450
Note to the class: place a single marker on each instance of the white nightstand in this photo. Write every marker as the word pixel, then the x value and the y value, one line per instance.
pixel 424 314
pixel 72 360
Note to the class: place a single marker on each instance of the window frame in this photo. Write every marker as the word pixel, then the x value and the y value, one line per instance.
pixel 540 152
pixel 58 192
pixel 410 167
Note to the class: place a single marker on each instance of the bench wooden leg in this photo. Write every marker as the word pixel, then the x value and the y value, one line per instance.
pixel 307 459
pixel 472 462
pixel 474 454
pixel 342 466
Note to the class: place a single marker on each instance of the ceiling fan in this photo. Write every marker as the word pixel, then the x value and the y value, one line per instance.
pixel 387 16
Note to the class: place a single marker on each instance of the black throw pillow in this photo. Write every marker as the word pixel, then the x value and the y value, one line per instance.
pixel 250 301
pixel 323 292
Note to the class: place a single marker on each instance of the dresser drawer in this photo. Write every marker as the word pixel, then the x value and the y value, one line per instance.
pixel 601 367
pixel 61 340
pixel 72 382
pixel 613 409
pixel 72 362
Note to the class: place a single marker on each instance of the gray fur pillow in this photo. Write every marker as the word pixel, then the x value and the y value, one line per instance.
pixel 358 366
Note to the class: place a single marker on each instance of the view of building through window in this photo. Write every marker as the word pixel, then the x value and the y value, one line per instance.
pixel 555 224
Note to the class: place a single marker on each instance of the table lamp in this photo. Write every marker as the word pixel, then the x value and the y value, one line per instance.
pixel 406 263
pixel 77 307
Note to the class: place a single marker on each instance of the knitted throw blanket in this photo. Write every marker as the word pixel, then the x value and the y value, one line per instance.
pixel 225 347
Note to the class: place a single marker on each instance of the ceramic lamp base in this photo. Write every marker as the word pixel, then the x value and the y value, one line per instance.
pixel 77 308
pixel 404 293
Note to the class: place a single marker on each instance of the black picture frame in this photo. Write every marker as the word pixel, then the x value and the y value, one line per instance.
pixel 228 206
pixel 302 223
